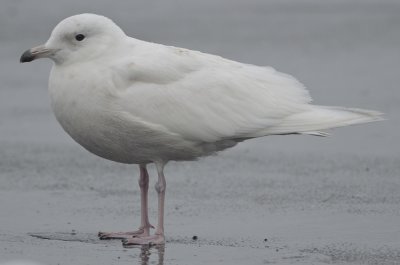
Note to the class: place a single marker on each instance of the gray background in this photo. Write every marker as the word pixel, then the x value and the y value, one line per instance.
pixel 315 200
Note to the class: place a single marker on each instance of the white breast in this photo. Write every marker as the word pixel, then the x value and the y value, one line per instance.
pixel 86 112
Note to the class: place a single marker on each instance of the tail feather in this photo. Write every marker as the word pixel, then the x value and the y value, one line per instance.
pixel 322 118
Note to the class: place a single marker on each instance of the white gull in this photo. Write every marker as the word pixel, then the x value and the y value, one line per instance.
pixel 136 102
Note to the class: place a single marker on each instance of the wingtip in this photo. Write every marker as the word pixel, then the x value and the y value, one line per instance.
pixel 317 133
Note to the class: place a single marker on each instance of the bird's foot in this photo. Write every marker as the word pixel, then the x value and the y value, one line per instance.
pixel 157 239
pixel 141 232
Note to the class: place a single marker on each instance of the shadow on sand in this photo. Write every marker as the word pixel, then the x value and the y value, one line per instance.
pixel 145 251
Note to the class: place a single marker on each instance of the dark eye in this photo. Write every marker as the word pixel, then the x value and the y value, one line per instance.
pixel 79 37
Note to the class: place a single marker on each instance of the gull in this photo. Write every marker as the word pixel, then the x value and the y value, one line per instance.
pixel 137 102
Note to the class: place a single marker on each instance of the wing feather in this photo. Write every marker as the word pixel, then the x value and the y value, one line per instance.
pixel 203 97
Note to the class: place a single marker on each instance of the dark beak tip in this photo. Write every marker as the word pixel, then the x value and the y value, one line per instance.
pixel 27 56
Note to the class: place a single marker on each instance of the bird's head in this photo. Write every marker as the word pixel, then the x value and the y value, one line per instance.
pixel 77 38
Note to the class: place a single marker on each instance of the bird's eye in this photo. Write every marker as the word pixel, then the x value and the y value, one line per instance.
pixel 79 37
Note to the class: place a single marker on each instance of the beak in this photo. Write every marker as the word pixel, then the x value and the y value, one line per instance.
pixel 35 53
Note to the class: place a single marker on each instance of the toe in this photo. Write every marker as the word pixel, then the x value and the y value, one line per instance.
pixel 147 240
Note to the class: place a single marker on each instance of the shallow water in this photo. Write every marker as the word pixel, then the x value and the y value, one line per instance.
pixel 274 200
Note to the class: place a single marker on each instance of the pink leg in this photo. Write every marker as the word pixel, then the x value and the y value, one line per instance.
pixel 158 237
pixel 144 229
pixel 144 188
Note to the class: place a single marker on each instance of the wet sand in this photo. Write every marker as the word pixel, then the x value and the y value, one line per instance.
pixel 275 200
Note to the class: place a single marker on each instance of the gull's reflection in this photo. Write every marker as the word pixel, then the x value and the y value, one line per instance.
pixel 146 251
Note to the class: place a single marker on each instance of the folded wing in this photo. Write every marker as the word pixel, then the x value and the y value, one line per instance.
pixel 203 97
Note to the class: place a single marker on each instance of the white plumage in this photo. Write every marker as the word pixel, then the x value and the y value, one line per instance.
pixel 132 101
